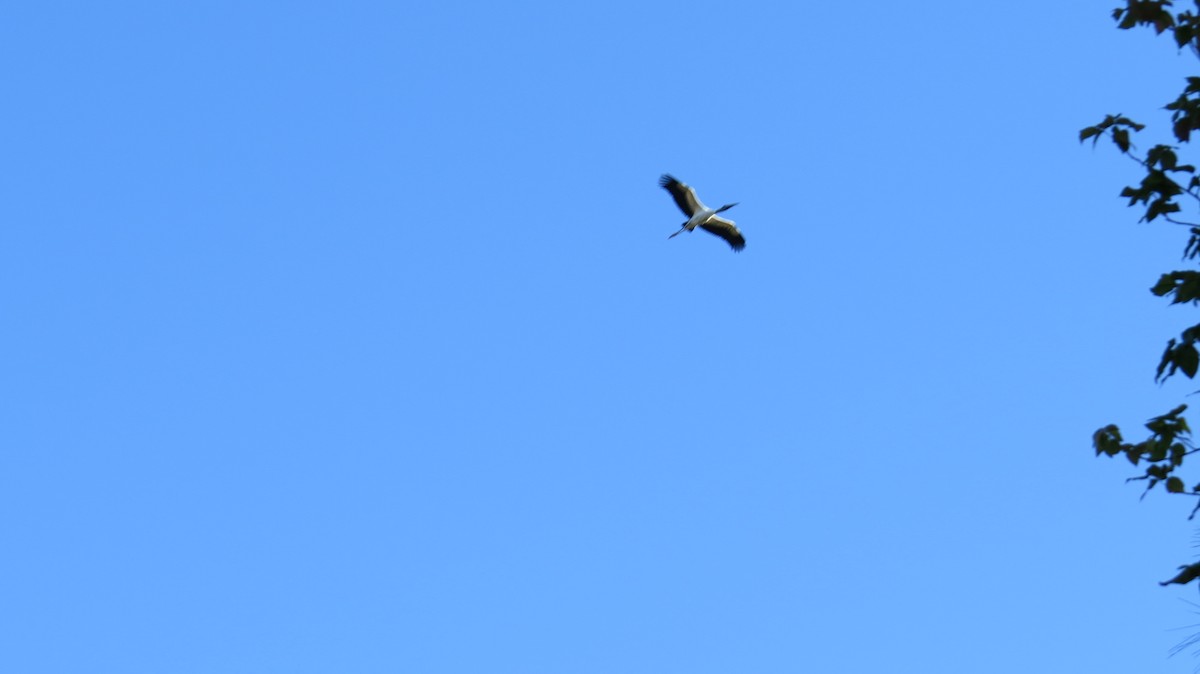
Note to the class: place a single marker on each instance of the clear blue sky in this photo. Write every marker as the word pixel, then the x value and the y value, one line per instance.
pixel 347 337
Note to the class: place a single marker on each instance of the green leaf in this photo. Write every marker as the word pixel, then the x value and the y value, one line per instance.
pixel 1163 21
pixel 1187 359
pixel 1183 35
pixel 1187 575
pixel 1133 453
pixel 1174 485
pixel 1164 362
pixel 1107 440
pixel 1178 450
pixel 1187 286
pixel 1173 415
pixel 1165 284
pixel 1121 120
pixel 1182 130
pixel 1121 138
pixel 1084 134
pixel 1168 160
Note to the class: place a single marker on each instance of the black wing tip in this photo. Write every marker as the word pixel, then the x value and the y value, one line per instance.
pixel 666 180
pixel 731 236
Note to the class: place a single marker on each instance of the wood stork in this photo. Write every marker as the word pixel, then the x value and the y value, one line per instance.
pixel 700 215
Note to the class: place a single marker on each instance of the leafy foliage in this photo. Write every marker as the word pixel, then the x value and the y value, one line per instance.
pixel 1165 184
pixel 1164 450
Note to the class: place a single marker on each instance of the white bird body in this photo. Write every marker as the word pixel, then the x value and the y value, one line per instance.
pixel 700 215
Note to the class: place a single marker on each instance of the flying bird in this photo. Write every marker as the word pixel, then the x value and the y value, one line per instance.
pixel 700 215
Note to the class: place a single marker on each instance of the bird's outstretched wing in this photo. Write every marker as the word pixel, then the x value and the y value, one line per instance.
pixel 684 196
pixel 726 230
